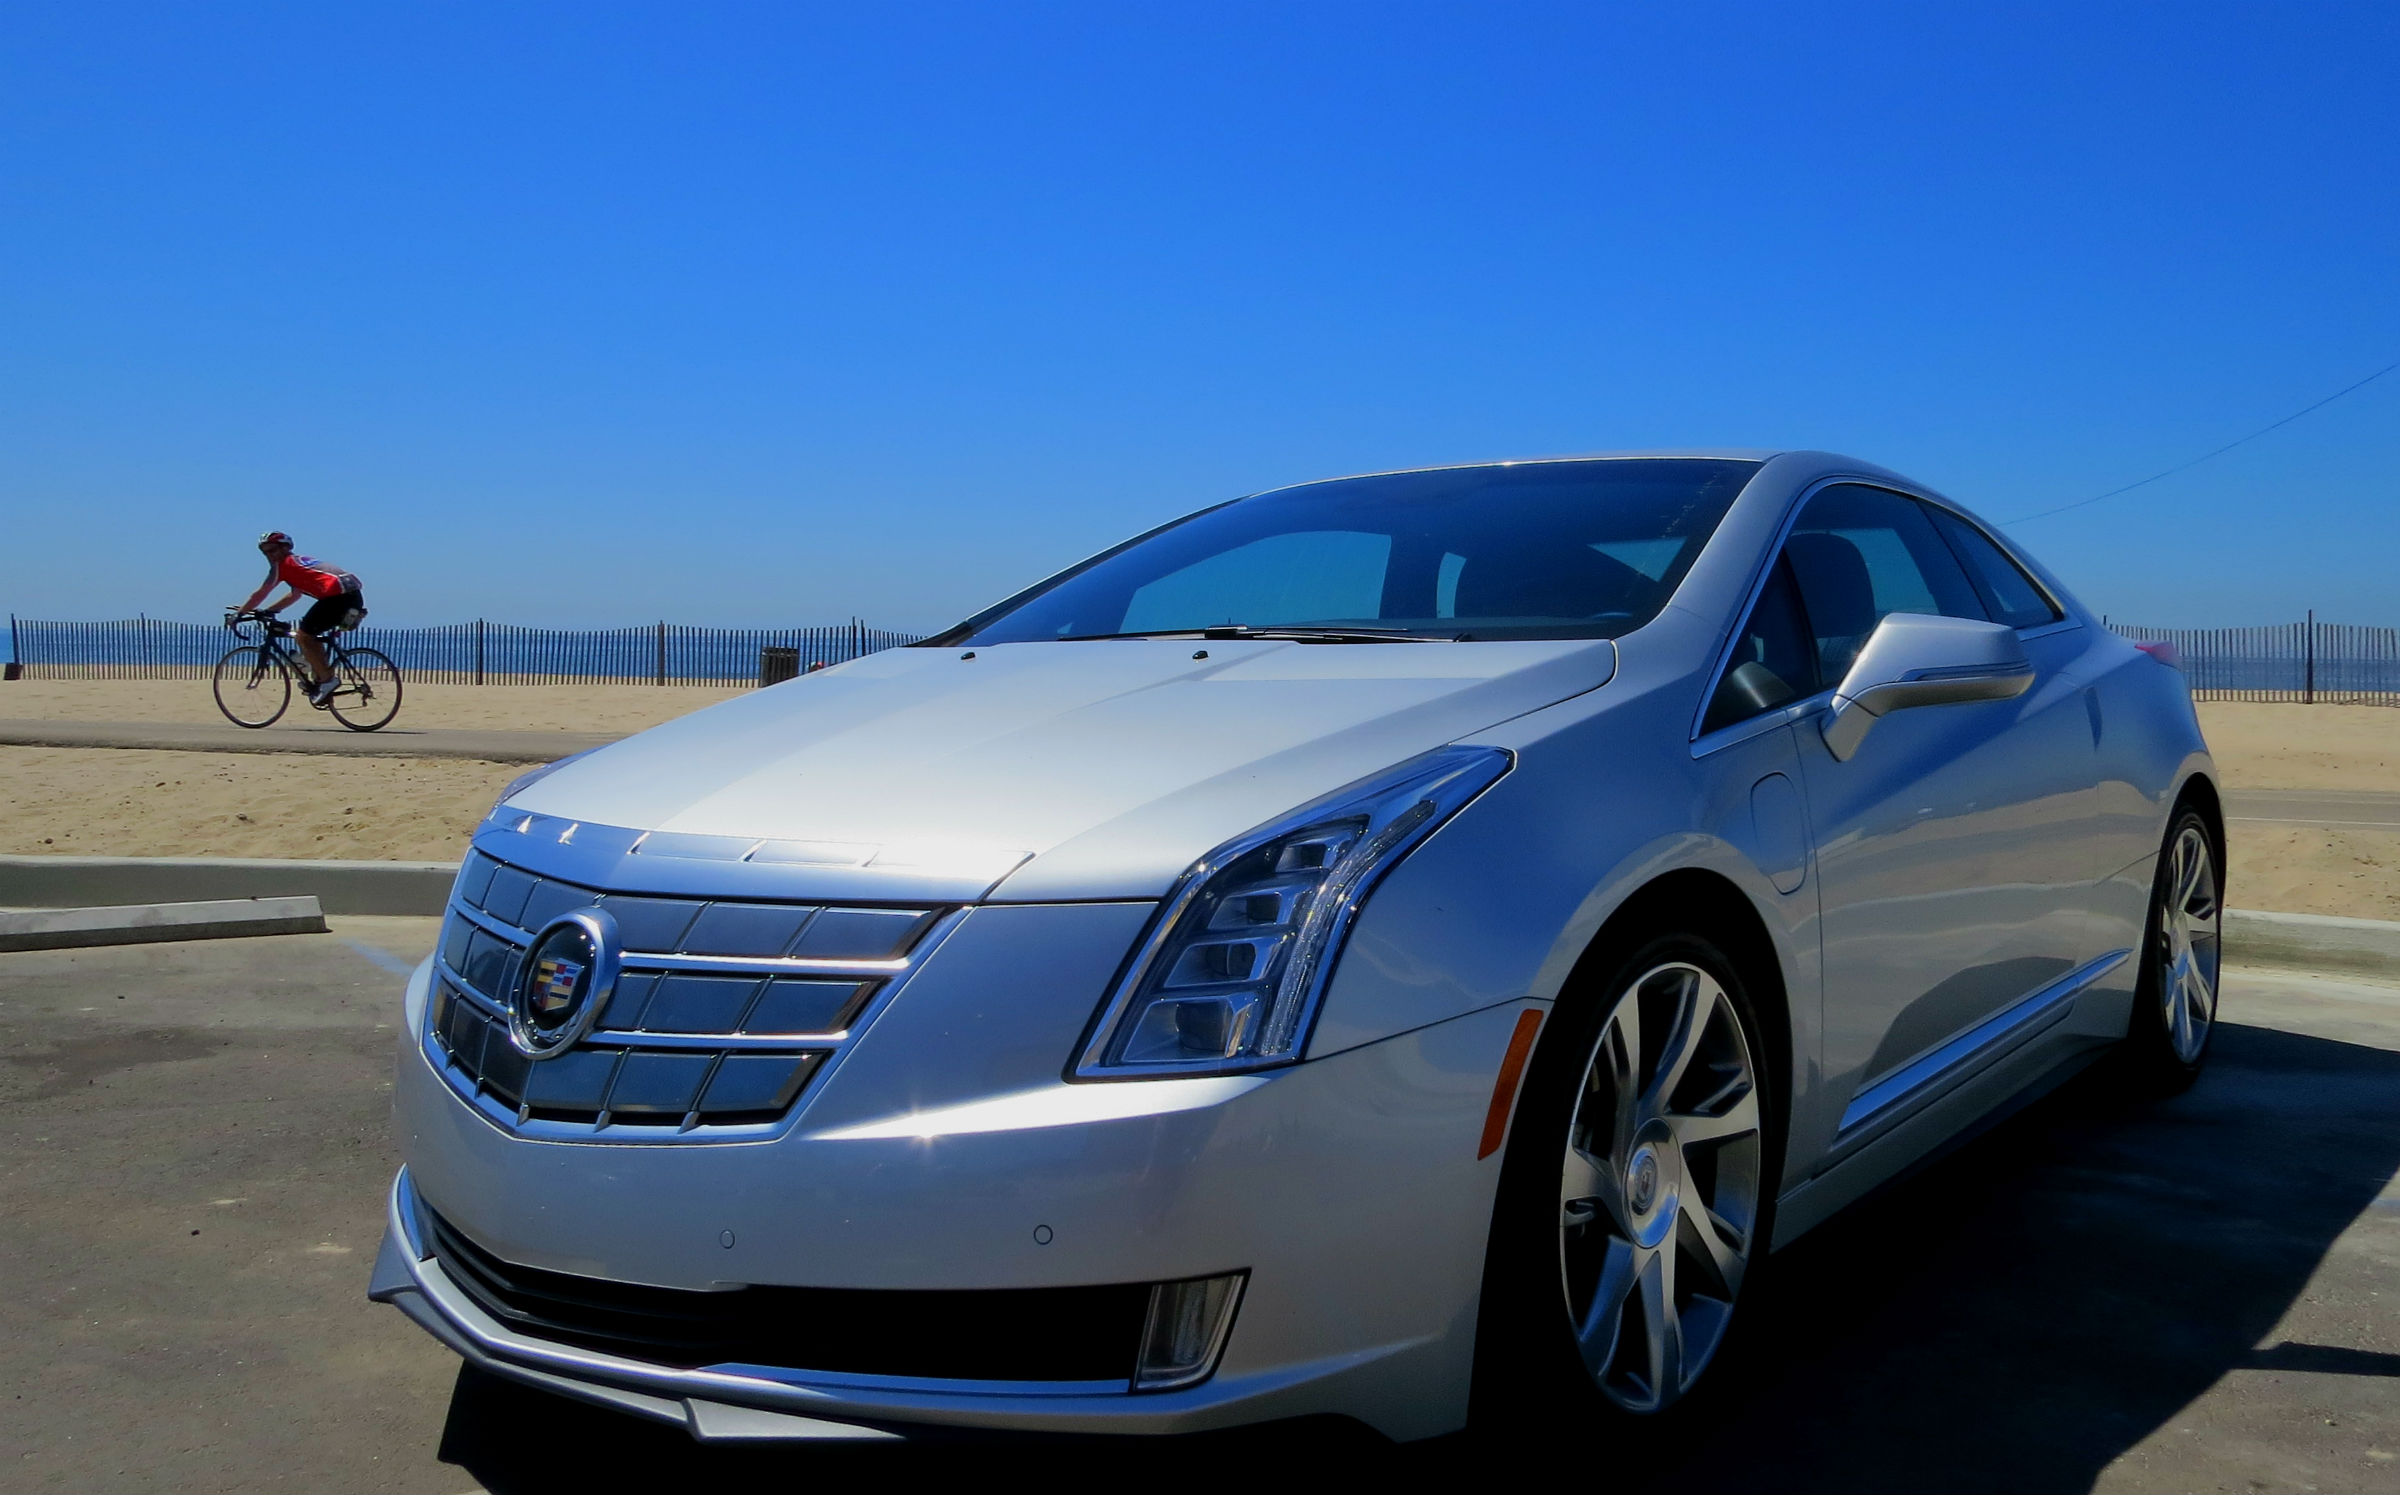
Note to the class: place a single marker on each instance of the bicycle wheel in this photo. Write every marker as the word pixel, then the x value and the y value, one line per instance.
pixel 252 686
pixel 369 693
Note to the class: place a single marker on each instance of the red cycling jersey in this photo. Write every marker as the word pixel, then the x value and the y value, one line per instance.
pixel 311 577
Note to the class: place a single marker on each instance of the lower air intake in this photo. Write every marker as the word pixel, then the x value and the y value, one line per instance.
pixel 1017 1334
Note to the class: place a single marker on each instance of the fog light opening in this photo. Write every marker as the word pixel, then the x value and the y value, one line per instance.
pixel 1186 1331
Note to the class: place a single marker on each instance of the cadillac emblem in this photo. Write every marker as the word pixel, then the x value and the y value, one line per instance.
pixel 563 982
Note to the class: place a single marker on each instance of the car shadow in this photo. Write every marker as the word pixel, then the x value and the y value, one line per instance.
pixel 2013 1317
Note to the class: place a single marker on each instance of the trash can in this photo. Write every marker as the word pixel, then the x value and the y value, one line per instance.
pixel 777 664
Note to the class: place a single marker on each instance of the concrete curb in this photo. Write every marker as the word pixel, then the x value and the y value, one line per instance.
pixel 2316 942
pixel 152 923
pixel 338 887
pixel 2252 937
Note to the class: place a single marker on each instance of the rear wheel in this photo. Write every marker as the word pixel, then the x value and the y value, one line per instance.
pixel 252 686
pixel 368 694
pixel 1635 1206
pixel 2175 998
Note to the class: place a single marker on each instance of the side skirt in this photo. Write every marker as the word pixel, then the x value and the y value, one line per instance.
pixel 1892 1098
pixel 1958 1091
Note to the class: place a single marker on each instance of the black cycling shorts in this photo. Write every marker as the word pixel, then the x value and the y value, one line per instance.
pixel 329 613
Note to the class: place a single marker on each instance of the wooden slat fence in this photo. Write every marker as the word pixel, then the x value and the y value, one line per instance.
pixel 2306 662
pixel 2310 662
pixel 477 653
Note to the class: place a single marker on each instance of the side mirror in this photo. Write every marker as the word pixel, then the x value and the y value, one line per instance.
pixel 1915 659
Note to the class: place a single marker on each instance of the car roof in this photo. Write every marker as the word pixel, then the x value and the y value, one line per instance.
pixel 1695 453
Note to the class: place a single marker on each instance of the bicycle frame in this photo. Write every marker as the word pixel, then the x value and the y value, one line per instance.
pixel 274 641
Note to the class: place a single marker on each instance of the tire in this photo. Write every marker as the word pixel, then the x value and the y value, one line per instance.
pixel 252 686
pixel 2175 997
pixel 1637 1194
pixel 369 695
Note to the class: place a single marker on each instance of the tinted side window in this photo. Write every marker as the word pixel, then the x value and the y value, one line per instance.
pixel 1774 660
pixel 1859 553
pixel 2008 593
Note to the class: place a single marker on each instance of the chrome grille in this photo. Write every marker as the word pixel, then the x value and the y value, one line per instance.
pixel 722 1014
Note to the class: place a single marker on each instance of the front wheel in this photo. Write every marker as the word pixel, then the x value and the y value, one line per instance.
pixel 368 693
pixel 252 686
pixel 1634 1208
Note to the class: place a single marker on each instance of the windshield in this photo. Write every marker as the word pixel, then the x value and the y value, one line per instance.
pixel 1535 550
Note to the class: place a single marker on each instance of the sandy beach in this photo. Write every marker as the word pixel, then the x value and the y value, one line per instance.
pixel 2270 746
pixel 139 802
pixel 515 708
pixel 136 802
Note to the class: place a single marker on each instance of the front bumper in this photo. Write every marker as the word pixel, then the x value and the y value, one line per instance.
pixel 946 1152
pixel 419 1288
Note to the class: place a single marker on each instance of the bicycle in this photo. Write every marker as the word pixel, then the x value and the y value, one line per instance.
pixel 253 682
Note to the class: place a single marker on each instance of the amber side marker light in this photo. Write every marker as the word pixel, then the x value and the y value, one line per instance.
pixel 1504 1091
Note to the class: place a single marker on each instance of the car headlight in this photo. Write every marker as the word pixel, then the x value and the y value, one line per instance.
pixel 1229 975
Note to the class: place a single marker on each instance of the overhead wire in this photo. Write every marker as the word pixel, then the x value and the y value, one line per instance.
pixel 2205 456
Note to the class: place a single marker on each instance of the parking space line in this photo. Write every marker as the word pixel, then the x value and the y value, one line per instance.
pixel 383 959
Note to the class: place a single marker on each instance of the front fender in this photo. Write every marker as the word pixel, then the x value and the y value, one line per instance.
pixel 1503 902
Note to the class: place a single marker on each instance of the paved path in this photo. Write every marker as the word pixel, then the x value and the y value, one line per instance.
pixel 2101 1294
pixel 307 735
pixel 2369 809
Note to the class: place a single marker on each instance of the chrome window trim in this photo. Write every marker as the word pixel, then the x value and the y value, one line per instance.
pixel 2065 613
pixel 1705 743
pixel 2068 624
pixel 1748 727
pixel 1722 656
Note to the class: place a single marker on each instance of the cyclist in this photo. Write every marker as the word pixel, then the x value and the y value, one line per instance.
pixel 336 605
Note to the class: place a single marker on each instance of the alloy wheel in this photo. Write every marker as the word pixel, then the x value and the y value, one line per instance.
pixel 2189 926
pixel 1659 1189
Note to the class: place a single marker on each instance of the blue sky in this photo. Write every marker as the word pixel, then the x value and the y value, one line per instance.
pixel 780 313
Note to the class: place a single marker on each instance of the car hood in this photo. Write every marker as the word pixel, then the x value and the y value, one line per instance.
pixel 1030 772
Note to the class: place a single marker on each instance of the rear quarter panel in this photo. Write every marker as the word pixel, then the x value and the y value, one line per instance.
pixel 2150 748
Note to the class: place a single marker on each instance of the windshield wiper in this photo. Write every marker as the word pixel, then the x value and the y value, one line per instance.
pixel 1304 633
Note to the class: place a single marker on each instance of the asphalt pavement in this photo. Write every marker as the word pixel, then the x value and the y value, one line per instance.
pixel 2100 1293
pixel 2354 809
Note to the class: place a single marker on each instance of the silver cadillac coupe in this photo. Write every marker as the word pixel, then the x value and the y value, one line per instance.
pixel 1405 947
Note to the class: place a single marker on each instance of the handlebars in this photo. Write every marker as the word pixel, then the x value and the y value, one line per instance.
pixel 238 618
